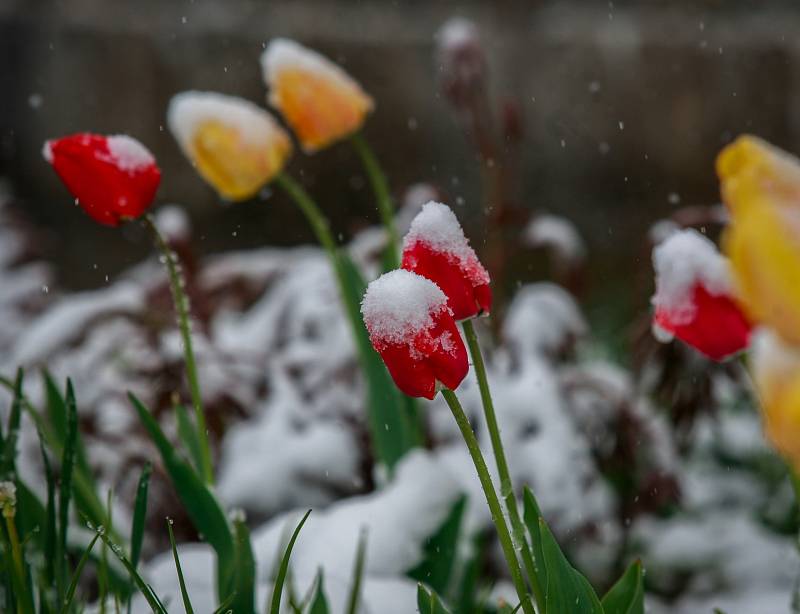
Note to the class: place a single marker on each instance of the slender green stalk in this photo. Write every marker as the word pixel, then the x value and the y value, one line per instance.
pixel 23 603
pixel 506 486
pixel 382 196
pixel 315 217
pixel 178 287
pixel 491 498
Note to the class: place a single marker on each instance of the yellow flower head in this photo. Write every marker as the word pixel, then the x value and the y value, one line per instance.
pixel 761 187
pixel 235 145
pixel 776 372
pixel 319 100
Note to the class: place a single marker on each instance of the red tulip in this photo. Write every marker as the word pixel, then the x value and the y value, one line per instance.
pixel 412 328
pixel 694 297
pixel 114 178
pixel 436 248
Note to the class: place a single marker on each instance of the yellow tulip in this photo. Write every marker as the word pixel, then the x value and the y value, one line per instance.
pixel 761 186
pixel 776 372
pixel 318 99
pixel 235 145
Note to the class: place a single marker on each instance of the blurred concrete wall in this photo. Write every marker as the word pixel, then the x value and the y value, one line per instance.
pixel 625 105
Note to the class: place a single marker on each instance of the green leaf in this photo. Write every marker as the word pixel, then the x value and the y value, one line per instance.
pixel 627 594
pixel 532 514
pixel 244 570
pixel 319 605
pixel 467 590
pixel 391 429
pixel 358 573
pixel 188 435
pixel 50 535
pixel 77 575
pixel 9 449
pixel 428 602
pixel 187 603
pixel 567 590
pixel 277 591
pixel 201 505
pixel 436 567
pixel 140 513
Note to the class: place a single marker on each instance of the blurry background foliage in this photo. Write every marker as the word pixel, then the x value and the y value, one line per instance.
pixel 621 107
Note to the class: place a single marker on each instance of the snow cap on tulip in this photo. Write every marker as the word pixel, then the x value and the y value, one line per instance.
pixel 114 178
pixel 694 297
pixel 436 248
pixel 412 328
pixel 235 145
pixel 319 100
pixel 760 184
pixel 776 373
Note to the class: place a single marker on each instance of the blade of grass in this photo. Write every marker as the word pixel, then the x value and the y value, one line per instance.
pixel 188 435
pixel 200 502
pixel 9 450
pixel 140 513
pixel 77 575
pixel 358 573
pixel 277 591
pixel 319 605
pixel 147 591
pixel 187 603
pixel 67 465
pixel 245 568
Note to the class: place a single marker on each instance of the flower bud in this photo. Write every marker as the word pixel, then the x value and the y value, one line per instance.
pixel 114 178
pixel 235 145
pixel 412 328
pixel 761 186
pixel 436 248
pixel 694 297
pixel 319 100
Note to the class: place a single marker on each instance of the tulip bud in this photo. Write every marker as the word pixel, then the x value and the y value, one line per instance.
pixel 319 100
pixel 461 60
pixel 412 328
pixel 694 297
pixel 436 248
pixel 113 178
pixel 776 373
pixel 235 145
pixel 761 186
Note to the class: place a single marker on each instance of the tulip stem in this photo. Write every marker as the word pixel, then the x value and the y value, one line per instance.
pixel 177 285
pixel 315 217
pixel 506 485
pixel 491 498
pixel 380 187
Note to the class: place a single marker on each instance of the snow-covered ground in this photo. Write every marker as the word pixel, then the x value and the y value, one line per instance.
pixel 285 403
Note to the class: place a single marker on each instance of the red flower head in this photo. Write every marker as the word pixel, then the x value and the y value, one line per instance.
pixel 114 178
pixel 412 328
pixel 694 297
pixel 436 248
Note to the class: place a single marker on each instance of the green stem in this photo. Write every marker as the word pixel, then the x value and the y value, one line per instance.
pixel 315 217
pixel 506 486
pixel 23 604
pixel 491 498
pixel 178 288
pixel 382 195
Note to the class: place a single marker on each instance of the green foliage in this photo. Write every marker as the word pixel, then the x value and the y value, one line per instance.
pixel 358 574
pixel 277 591
pixel 436 568
pixel 428 602
pixel 139 514
pixel 187 603
pixel 201 504
pixel 389 413
pixel 627 595
pixel 244 571
pixel 319 605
